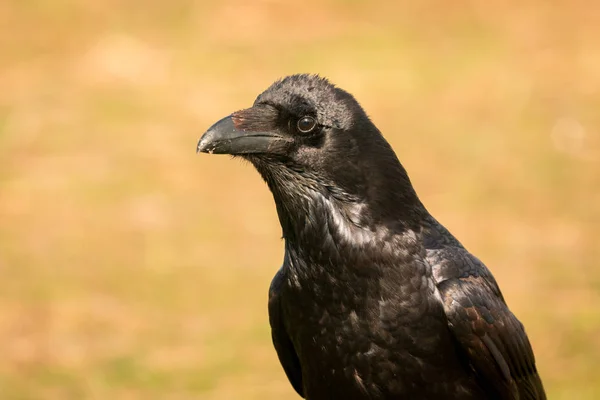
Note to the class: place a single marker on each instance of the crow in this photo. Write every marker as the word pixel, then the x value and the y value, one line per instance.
pixel 375 298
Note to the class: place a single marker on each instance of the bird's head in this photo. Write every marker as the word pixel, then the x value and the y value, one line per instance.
pixel 304 135
pixel 301 121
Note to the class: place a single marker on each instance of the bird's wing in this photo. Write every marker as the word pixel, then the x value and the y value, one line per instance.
pixel 283 345
pixel 492 338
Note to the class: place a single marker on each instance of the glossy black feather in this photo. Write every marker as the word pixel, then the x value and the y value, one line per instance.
pixel 283 345
pixel 494 339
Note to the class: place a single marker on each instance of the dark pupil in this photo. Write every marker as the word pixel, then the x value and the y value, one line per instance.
pixel 306 124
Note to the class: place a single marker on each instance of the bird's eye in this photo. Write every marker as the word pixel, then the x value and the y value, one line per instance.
pixel 306 124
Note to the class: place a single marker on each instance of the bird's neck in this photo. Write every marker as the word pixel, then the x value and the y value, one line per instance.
pixel 320 217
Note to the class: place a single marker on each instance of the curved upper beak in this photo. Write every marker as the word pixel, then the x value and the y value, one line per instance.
pixel 224 138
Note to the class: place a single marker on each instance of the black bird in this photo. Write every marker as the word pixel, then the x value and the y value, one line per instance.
pixel 375 298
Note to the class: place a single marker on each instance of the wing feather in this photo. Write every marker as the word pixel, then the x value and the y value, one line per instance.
pixel 494 340
pixel 283 345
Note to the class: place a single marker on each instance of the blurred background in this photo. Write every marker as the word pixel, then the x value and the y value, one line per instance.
pixel 132 268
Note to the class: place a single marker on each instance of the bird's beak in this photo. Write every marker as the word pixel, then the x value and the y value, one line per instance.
pixel 225 138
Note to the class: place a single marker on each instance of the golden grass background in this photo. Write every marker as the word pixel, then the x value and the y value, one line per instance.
pixel 131 268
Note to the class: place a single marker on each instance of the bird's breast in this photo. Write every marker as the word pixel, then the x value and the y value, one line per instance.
pixel 378 329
